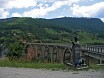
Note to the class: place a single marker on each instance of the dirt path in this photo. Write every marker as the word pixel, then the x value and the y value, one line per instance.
pixel 6 72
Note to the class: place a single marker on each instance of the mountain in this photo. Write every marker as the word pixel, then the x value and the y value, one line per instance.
pixel 88 24
pixel 50 30
pixel 70 23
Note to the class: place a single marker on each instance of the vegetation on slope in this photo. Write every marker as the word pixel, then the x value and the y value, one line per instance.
pixel 51 30
pixel 59 30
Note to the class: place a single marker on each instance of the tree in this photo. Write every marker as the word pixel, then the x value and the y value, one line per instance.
pixel 15 51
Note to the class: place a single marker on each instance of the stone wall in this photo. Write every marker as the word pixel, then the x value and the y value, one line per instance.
pixel 47 53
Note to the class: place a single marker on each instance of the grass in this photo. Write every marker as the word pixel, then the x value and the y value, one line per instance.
pixel 97 67
pixel 51 31
pixel 52 66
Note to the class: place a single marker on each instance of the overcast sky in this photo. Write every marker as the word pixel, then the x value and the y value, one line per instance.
pixel 52 8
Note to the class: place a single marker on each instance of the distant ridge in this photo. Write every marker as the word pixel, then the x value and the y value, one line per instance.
pixel 88 24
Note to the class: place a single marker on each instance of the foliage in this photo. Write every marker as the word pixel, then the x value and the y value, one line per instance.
pixel 15 51
pixel 58 30
pixel 100 35
pixel 50 30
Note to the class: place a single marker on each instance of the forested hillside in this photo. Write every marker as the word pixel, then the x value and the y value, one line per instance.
pixel 14 31
pixel 58 30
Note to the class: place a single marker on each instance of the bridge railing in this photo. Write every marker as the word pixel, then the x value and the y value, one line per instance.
pixel 94 48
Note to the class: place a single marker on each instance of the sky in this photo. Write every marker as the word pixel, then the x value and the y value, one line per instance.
pixel 52 8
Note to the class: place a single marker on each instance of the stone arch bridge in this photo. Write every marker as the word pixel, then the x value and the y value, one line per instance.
pixel 48 52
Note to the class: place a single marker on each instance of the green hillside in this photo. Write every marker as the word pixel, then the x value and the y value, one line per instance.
pixel 58 30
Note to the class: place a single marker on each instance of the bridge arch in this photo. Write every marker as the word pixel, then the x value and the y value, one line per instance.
pixel 67 57
pixel 30 52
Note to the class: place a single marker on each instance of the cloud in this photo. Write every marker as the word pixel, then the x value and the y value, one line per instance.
pixel 9 4
pixel 95 10
pixel 3 3
pixel 16 15
pixel 21 3
pixel 55 0
pixel 61 16
pixel 3 13
pixel 43 10
pixel 102 19
pixel 40 8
